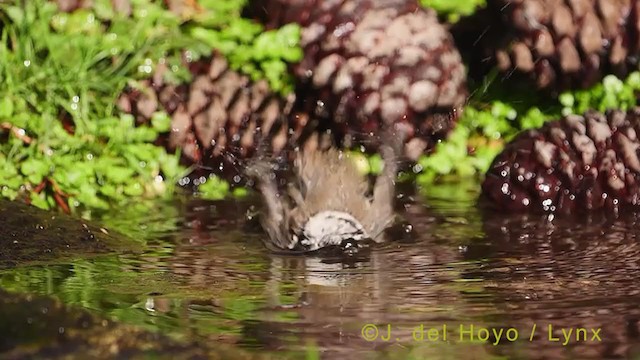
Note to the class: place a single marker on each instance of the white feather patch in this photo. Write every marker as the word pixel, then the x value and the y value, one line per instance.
pixel 331 228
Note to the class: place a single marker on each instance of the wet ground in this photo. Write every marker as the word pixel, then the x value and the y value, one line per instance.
pixel 194 280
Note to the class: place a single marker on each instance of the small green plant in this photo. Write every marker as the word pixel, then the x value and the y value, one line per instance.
pixel 453 9
pixel 611 93
pixel 246 45
pixel 62 141
pixel 64 145
pixel 485 126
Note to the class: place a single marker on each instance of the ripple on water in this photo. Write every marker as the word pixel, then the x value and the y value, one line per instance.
pixel 206 276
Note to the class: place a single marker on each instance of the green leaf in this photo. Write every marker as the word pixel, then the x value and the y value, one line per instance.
pixel 103 9
pixel 612 84
pixel 39 200
pixel 143 134
pixel 118 174
pixel 6 107
pixel 361 162
pixel 134 189
pixel 15 13
pixel 566 99
pixel 161 121
pixel 34 166
pixel 376 164
pixel 214 189
pixel 240 192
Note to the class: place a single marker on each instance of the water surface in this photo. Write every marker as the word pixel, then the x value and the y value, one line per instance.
pixel 202 274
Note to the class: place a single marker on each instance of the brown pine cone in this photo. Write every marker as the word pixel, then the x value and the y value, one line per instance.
pixel 572 164
pixel 367 62
pixel 558 44
pixel 218 118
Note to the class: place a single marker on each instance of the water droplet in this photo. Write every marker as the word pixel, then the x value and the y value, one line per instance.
pixel 149 305
pixel 27 63
pixel 343 29
pixel 145 69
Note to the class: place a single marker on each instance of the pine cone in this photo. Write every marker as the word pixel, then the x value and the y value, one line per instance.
pixel 578 162
pixel 556 44
pixel 368 62
pixel 218 118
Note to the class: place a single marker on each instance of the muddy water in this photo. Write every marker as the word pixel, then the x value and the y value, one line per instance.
pixel 462 284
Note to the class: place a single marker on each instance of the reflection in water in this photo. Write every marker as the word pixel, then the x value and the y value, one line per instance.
pixel 211 280
pixel 566 273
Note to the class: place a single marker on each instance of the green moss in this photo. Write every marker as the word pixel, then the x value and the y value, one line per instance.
pixel 248 47
pixel 493 118
pixel 453 10
pixel 62 142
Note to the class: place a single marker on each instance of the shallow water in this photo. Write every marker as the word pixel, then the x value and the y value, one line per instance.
pixel 203 275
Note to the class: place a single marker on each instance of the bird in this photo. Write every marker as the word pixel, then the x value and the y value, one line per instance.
pixel 328 202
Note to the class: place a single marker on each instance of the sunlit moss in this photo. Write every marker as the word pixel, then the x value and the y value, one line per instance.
pixel 454 9
pixel 63 143
pixel 488 123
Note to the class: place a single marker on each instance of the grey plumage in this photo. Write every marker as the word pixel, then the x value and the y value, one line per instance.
pixel 328 201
